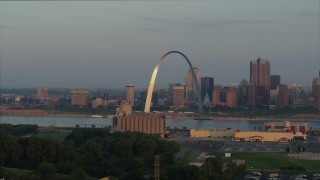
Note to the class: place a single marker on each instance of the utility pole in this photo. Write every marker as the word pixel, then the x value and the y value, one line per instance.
pixel 157 167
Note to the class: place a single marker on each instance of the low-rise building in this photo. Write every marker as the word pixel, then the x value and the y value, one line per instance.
pixel 200 133
pixel 266 136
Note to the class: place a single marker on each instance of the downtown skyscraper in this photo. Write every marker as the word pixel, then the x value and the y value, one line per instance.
pixel 260 79
pixel 207 85
pixel 191 84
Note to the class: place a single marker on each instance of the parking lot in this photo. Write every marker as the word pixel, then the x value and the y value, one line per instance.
pixel 226 144
pixel 255 146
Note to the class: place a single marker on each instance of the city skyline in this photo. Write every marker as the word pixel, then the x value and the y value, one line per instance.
pixel 104 48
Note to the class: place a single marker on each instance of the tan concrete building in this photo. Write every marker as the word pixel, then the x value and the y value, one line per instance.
pixel 79 97
pixel 149 124
pixel 283 96
pixel 203 133
pixel 42 93
pixel 265 136
pixel 130 94
pixel 179 96
pixel 225 97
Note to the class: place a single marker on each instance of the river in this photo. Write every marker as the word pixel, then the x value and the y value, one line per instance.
pixel 44 121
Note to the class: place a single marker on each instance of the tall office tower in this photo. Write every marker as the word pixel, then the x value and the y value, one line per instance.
pixel 207 84
pixel 42 93
pixel 143 97
pixel 179 96
pixel 283 96
pixel 295 91
pixel 243 92
pixel 260 76
pixel 275 80
pixel 155 98
pixel 251 95
pixel 79 97
pixel 190 82
pixel 225 97
pixel 316 91
pixel 130 94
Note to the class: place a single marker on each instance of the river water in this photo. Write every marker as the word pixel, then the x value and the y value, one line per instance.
pixel 179 123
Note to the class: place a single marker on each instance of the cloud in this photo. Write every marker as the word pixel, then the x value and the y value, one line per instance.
pixel 6 27
pixel 156 24
pixel 308 15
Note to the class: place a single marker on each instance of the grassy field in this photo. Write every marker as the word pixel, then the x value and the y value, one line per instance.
pixel 12 173
pixel 271 161
pixel 189 156
pixel 56 135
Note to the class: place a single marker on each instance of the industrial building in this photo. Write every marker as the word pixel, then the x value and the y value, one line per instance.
pixel 149 124
pixel 202 133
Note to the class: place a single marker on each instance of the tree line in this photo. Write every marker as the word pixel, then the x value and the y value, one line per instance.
pixel 99 153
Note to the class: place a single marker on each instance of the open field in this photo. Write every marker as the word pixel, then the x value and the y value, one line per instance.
pixel 188 156
pixel 12 173
pixel 270 161
pixel 56 135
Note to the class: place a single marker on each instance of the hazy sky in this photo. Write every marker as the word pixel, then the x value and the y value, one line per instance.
pixel 109 44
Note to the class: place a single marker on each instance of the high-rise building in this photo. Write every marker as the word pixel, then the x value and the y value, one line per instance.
pixel 297 95
pixel 207 85
pixel 243 92
pixel 316 91
pixel 260 77
pixel 180 96
pixel 155 98
pixel 275 80
pixel 79 97
pixel 190 82
pixel 251 95
pixel 283 96
pixel 42 93
pixel 130 94
pixel 225 97
pixel 170 92
pixel 143 97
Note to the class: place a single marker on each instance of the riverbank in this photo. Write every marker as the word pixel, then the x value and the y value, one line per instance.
pixel 41 113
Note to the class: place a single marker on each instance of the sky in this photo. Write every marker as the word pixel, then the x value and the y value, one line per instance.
pixel 108 44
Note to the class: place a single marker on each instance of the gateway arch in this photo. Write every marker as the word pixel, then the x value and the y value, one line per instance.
pixel 154 75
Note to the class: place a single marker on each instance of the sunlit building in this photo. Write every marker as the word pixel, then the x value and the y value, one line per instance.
pixel 42 93
pixel 191 84
pixel 79 97
pixel 180 96
pixel 98 102
pixel 260 77
pixel 225 97
pixel 130 94
pixel 283 96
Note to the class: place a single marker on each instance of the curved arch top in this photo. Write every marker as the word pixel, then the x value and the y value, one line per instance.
pixel 154 75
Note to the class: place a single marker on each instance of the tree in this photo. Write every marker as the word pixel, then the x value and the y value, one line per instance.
pixel 79 173
pixel 288 149
pixel 45 171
